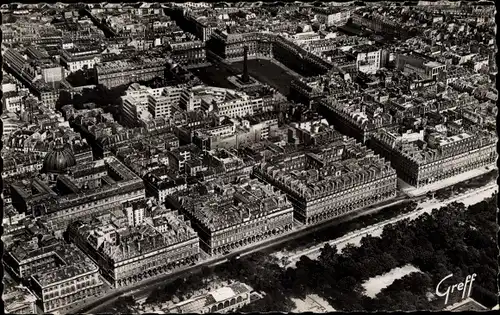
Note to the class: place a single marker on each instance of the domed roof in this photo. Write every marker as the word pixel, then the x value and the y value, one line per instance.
pixel 59 159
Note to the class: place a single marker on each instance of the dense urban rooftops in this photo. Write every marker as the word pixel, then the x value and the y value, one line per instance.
pixel 128 65
pixel 161 228
pixel 327 170
pixel 73 263
pixel 229 204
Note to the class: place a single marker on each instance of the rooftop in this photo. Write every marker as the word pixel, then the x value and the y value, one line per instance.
pixel 74 263
pixel 314 173
pixel 117 242
pixel 229 204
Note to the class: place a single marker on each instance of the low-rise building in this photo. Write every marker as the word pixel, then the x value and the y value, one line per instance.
pixel 18 299
pixel 221 300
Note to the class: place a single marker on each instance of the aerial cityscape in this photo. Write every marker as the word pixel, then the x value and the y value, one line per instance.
pixel 190 157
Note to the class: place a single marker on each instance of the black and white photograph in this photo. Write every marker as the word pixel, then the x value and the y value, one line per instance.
pixel 249 157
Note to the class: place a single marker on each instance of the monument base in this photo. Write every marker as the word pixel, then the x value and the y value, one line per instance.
pixel 236 80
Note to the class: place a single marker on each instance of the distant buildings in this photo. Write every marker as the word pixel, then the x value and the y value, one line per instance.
pixel 380 24
pixel 230 45
pixel 121 72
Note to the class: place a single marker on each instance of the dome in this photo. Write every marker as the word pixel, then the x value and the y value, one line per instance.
pixel 59 159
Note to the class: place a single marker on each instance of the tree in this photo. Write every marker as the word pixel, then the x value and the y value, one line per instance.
pixel 329 255
pixel 78 78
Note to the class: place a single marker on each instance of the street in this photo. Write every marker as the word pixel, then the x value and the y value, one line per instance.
pixel 354 237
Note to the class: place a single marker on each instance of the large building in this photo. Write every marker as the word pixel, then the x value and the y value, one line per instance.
pixel 141 242
pixel 424 157
pixel 226 102
pixel 73 191
pixel 369 60
pixel 134 105
pixel 236 133
pixel 121 72
pixel 74 59
pixel 355 117
pixel 163 105
pixel 75 278
pixel 305 90
pixel 230 45
pixel 329 181
pixel 192 53
pixel 228 216
pixel 58 274
pixel 15 61
pixel 422 65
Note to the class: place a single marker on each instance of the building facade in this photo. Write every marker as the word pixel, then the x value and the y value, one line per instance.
pixel 116 73
pixel 339 178
pixel 75 59
pixel 191 53
pixel 442 158
pixel 232 216
pixel 89 189
pixel 127 251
